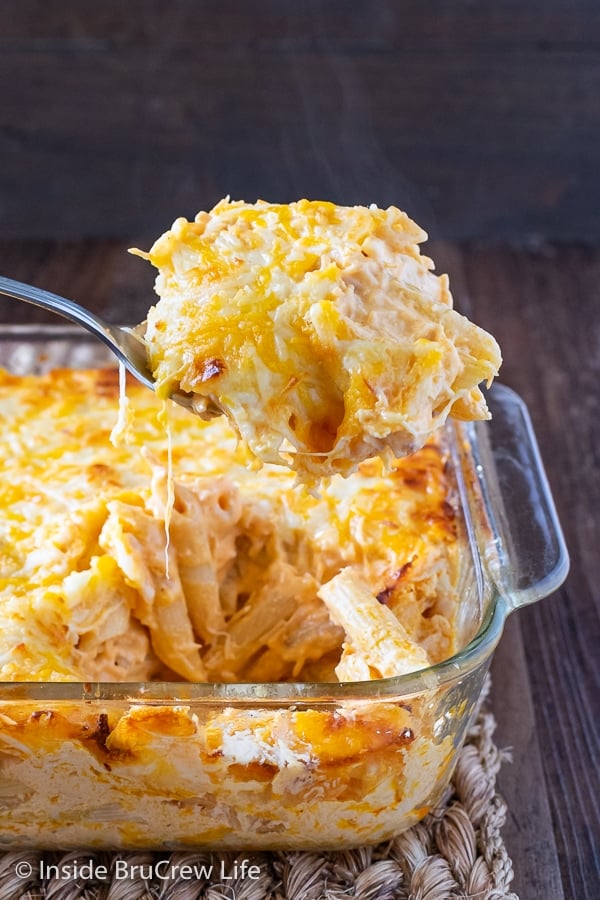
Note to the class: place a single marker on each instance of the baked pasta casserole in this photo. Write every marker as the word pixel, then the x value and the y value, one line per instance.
pixel 142 544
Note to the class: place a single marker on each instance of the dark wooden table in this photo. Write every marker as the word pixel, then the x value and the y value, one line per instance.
pixel 543 306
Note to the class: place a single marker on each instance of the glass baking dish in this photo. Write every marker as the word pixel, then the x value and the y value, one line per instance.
pixel 180 765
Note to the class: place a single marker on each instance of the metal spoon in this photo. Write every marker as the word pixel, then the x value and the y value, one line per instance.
pixel 128 346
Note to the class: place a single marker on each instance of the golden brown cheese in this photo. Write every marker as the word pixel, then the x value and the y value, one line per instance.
pixel 319 330
pixel 84 590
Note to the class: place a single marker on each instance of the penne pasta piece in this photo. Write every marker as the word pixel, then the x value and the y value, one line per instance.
pixel 137 542
pixel 377 642
pixel 202 533
pixel 262 621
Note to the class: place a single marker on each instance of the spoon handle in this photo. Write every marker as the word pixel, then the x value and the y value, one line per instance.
pixel 60 305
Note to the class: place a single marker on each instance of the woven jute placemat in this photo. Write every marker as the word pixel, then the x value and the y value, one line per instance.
pixel 455 853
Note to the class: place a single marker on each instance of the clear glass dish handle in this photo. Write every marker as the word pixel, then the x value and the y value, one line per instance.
pixel 528 558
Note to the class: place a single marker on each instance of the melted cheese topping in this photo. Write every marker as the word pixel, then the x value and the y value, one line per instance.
pixel 83 589
pixel 319 330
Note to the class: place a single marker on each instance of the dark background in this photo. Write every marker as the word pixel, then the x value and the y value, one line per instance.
pixel 480 118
